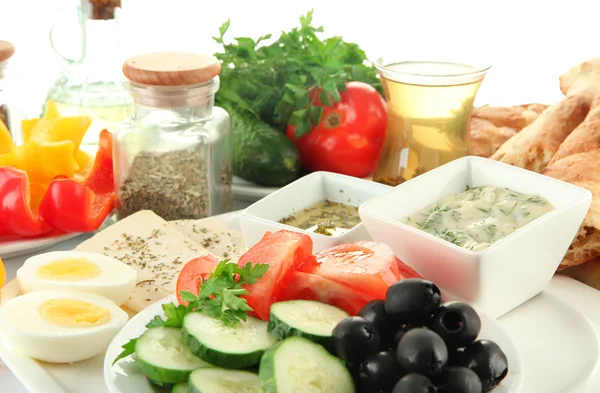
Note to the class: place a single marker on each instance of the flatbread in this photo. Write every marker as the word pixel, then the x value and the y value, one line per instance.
pixel 536 144
pixel 486 137
pixel 515 117
pixel 582 80
pixel 577 161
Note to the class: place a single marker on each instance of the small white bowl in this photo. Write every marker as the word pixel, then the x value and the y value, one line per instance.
pixel 507 273
pixel 264 215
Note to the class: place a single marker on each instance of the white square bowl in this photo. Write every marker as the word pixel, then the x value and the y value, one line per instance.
pixel 264 215
pixel 507 273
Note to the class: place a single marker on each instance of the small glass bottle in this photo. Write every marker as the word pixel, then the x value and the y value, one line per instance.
pixel 92 85
pixel 6 51
pixel 173 155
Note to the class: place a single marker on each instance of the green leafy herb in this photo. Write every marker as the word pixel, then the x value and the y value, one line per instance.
pixel 281 82
pixel 451 237
pixel 219 298
pixel 535 200
pixel 509 211
pixel 156 321
pixel 435 217
pixel 128 349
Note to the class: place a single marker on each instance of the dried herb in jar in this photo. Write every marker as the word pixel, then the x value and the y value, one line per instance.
pixel 226 175
pixel 172 184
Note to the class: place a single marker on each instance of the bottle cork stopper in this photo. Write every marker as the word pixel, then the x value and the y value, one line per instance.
pixel 6 50
pixel 171 68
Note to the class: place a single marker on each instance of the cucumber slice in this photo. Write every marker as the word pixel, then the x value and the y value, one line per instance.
pixel 305 318
pixel 218 380
pixel 228 347
pixel 296 363
pixel 164 358
pixel 181 388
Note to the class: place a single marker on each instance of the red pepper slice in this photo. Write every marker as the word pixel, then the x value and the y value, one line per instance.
pixel 101 178
pixel 16 216
pixel 82 207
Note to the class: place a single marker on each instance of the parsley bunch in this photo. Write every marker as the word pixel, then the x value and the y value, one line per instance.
pixel 219 298
pixel 273 81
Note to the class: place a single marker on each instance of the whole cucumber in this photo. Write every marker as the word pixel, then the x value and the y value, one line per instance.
pixel 262 154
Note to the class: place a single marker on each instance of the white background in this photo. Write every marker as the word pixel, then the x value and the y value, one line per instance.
pixel 529 43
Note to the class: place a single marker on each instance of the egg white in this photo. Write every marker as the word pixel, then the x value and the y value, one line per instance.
pixel 116 280
pixel 31 334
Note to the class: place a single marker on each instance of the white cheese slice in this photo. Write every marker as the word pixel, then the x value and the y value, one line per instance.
pixel 213 234
pixel 153 247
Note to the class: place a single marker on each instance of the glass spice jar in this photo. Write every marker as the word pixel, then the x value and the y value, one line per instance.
pixel 6 51
pixel 173 155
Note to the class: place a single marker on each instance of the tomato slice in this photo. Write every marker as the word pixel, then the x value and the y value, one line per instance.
pixel 307 286
pixel 369 267
pixel 192 274
pixel 406 271
pixel 283 251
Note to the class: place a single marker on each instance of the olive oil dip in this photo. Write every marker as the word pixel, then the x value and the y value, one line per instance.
pixel 326 218
pixel 480 216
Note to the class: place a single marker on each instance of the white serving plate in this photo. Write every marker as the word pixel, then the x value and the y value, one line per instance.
pixel 558 345
pixel 126 376
pixel 20 247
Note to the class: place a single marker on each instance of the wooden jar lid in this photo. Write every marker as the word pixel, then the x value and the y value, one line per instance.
pixel 6 50
pixel 171 68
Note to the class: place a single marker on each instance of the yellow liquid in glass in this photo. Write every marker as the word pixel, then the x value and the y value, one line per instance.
pixel 428 124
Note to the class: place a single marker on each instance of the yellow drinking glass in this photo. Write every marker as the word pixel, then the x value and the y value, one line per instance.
pixel 429 110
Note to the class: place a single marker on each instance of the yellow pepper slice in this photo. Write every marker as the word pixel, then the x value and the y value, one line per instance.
pixel 26 128
pixel 51 112
pixel 62 129
pixel 6 143
pixel 42 161
pixel 2 274
pixel 84 163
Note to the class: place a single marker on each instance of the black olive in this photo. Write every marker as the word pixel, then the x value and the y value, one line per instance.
pixel 399 333
pixel 422 351
pixel 488 361
pixel 354 339
pixel 379 373
pixel 457 323
pixel 460 380
pixel 414 383
pixel 374 311
pixel 412 301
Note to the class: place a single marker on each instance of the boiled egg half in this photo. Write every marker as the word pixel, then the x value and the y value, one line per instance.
pixel 78 271
pixel 61 327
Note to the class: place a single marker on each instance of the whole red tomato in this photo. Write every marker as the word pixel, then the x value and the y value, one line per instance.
pixel 350 135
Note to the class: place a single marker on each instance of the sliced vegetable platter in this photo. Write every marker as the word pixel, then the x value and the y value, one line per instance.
pixel 127 376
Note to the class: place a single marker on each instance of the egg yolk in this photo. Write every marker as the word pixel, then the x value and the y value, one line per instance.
pixel 74 313
pixel 69 270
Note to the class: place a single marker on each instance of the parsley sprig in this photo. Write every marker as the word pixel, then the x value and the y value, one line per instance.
pixel 219 298
pixel 274 82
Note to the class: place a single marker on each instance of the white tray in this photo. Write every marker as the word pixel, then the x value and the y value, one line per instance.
pixel 558 343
